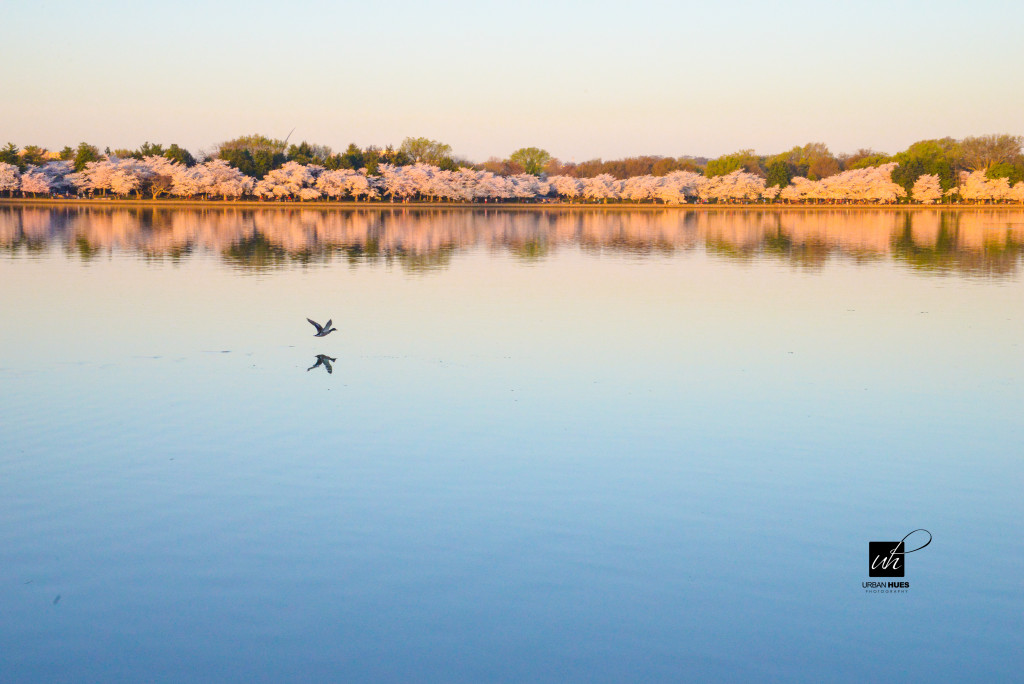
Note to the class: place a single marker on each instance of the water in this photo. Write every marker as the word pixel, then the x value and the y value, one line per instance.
pixel 555 446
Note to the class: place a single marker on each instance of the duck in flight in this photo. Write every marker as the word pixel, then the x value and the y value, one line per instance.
pixel 323 360
pixel 322 330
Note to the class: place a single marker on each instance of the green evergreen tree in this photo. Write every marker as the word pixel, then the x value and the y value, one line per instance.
pixel 9 155
pixel 180 155
pixel 778 172
pixel 84 154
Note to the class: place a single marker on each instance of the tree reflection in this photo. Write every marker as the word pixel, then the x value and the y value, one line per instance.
pixel 530 250
pixel 434 260
pixel 987 241
pixel 255 253
pixel 85 250
pixel 953 247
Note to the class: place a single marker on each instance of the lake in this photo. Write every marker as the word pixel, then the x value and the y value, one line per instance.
pixel 543 445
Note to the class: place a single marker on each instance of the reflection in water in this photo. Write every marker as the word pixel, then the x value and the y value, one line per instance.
pixel 985 242
pixel 325 361
pixel 539 457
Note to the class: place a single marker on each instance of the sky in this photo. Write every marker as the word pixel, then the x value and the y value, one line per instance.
pixel 580 79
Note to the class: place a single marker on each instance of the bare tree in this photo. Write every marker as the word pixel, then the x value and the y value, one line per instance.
pixel 981 152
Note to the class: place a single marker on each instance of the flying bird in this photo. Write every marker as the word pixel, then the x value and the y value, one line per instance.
pixel 321 330
pixel 323 360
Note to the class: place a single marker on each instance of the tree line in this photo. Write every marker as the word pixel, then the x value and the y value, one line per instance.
pixel 981 168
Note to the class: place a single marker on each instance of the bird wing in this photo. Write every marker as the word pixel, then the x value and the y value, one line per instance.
pixel 315 324
pixel 328 326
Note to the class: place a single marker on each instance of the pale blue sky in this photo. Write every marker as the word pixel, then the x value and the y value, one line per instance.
pixel 580 79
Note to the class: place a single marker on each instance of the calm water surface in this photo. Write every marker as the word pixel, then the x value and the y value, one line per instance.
pixel 554 446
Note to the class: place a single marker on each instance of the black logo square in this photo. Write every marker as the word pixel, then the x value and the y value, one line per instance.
pixel 885 559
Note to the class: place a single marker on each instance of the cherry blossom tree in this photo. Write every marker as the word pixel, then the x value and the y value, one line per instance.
pixel 96 176
pixel 799 190
pixel 121 176
pixel 421 178
pixel 976 187
pixel 160 175
pixel 34 181
pixel 640 188
pixel 218 177
pixel 771 192
pixel 492 186
pixel 870 184
pixel 10 178
pixel 123 181
pixel 286 181
pixel 736 186
pixel 361 185
pixel 50 178
pixel 470 185
pixel 748 187
pixel 188 182
pixel 155 176
pixel 566 186
pixel 542 187
pixel 58 172
pixel 395 182
pixel 1017 192
pixel 678 187
pixel 926 189
pixel 134 174
pixel 444 186
pixel 602 187
pixel 527 186
pixel 334 183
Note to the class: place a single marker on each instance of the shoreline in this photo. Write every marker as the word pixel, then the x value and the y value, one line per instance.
pixel 533 206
